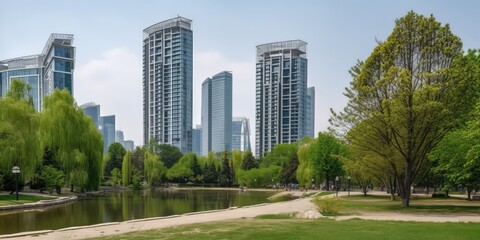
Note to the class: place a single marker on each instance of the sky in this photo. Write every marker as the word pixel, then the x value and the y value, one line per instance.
pixel 108 40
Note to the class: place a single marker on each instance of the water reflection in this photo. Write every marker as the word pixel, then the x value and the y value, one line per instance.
pixel 126 205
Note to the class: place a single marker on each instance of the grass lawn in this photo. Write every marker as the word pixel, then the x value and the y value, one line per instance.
pixel 259 229
pixel 357 203
pixel 9 199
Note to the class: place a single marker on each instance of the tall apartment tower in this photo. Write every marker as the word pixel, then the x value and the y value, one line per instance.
pixel 53 68
pixel 197 140
pixel 217 113
pixel 310 115
pixel 281 89
pixel 167 83
pixel 241 134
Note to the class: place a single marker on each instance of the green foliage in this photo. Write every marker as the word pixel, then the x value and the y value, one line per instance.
pixel 155 171
pixel 116 176
pixel 54 179
pixel 115 154
pixel 168 153
pixel 249 161
pixel 280 155
pixel 258 177
pixel 328 205
pixel 73 139
pixel 19 124
pixel 409 93
pixel 127 169
pixel 225 177
pixel 182 171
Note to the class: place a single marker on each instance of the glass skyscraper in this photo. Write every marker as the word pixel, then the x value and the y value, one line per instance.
pixel 107 128
pixel 241 134
pixel 167 83
pixel 93 111
pixel 281 89
pixel 217 113
pixel 44 72
pixel 310 112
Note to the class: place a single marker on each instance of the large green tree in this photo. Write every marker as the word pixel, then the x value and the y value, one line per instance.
pixel 73 139
pixel 114 158
pixel 19 124
pixel 168 153
pixel 414 88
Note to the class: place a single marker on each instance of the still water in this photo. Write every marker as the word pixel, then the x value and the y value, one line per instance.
pixel 126 205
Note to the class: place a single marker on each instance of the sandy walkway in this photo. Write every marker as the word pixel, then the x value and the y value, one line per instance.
pixel 300 205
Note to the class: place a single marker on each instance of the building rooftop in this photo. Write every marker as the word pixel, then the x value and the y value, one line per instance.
pixel 299 45
pixel 174 22
pixel 60 38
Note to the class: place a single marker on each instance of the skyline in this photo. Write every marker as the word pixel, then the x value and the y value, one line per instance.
pixel 108 44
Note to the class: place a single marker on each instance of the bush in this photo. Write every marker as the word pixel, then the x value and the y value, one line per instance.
pixel 439 195
pixel 328 205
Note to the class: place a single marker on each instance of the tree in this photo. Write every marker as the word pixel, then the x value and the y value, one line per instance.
pixel 127 169
pixel 249 161
pixel 225 172
pixel 19 124
pixel 155 170
pixel 73 139
pixel 116 176
pixel 115 154
pixel 414 88
pixel 168 153
pixel 325 156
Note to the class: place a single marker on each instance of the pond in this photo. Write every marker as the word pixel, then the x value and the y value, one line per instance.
pixel 126 205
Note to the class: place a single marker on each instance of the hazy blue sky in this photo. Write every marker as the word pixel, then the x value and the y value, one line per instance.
pixel 108 41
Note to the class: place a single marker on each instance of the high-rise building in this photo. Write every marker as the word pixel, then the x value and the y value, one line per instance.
pixel 93 111
pixel 53 68
pixel 167 83
pixel 240 134
pixel 127 144
pixel 217 113
pixel 197 140
pixel 107 128
pixel 310 112
pixel 281 89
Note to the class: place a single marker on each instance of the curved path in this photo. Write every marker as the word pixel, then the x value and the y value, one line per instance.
pixel 300 205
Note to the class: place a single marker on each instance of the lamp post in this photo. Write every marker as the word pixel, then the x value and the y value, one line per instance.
pixel 16 172
pixel 348 185
pixel 336 185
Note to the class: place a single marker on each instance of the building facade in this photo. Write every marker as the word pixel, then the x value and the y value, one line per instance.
pixel 44 72
pixel 197 140
pixel 241 134
pixel 107 129
pixel 167 83
pixel 281 89
pixel 93 111
pixel 310 112
pixel 217 113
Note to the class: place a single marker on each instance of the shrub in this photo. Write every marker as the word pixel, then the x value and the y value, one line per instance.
pixel 439 195
pixel 328 205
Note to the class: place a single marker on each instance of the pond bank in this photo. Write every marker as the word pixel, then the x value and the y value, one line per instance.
pixel 41 203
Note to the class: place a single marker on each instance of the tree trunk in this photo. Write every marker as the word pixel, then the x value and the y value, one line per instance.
pixel 364 188
pixel 469 194
pixel 326 182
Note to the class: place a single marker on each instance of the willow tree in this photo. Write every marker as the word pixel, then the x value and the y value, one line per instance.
pixel 414 88
pixel 154 168
pixel 127 169
pixel 19 142
pixel 74 140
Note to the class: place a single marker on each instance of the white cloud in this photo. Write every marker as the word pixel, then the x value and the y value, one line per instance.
pixel 114 80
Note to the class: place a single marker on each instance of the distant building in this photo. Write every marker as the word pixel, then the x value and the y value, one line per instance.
pixel 281 89
pixel 167 83
pixel 93 111
pixel 310 112
pixel 53 68
pixel 127 144
pixel 240 134
pixel 197 140
pixel 107 128
pixel 217 113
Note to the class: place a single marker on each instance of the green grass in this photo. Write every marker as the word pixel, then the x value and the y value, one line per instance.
pixel 260 229
pixel 420 205
pixel 10 199
pixel 283 198
pixel 323 194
